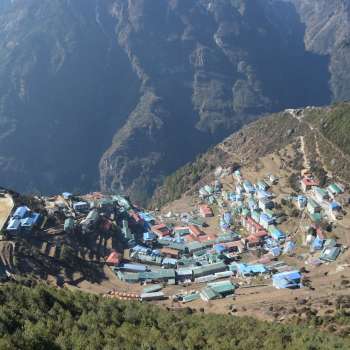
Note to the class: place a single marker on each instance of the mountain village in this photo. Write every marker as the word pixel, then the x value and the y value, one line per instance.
pixel 238 233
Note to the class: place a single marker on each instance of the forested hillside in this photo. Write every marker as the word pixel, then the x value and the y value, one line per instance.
pixel 44 318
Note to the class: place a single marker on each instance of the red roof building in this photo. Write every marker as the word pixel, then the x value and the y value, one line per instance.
pixel 253 240
pixel 160 230
pixel 173 253
pixel 235 246
pixel 136 217
pixel 252 226
pixel 261 234
pixel 195 231
pixel 205 211
pixel 307 183
pixel 113 258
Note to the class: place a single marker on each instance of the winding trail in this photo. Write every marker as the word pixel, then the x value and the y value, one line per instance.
pixel 6 206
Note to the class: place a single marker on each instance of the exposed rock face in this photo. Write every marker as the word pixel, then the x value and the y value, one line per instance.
pixel 119 93
pixel 328 33
pixel 207 67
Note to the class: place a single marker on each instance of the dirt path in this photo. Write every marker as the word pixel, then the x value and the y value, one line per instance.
pixel 6 254
pixel 6 206
pixel 302 149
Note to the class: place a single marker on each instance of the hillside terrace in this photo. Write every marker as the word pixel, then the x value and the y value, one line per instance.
pixel 226 234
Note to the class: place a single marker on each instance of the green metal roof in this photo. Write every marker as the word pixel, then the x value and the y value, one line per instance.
pixel 190 297
pixel 153 288
pixel 335 188
pixel 193 246
pixel 209 269
pixel 321 191
pixel 316 217
pixel 68 224
pixel 222 287
pixel 158 274
pixel 129 276
pixel 312 203
pixel 209 294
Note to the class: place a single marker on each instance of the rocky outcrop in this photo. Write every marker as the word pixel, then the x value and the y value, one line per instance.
pixel 328 33
pixel 116 94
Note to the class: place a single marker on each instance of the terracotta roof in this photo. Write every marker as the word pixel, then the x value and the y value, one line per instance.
pixel 113 258
pixel 196 231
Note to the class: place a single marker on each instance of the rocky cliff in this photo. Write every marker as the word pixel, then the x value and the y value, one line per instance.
pixel 116 94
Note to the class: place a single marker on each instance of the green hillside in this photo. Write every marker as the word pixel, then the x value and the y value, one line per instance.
pixel 45 318
pixel 326 132
pixel 334 124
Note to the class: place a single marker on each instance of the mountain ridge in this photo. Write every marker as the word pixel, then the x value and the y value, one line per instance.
pixel 136 82
pixel 323 130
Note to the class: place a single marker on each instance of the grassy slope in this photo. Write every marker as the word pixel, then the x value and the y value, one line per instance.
pixel 44 318
pixel 253 141
pixel 332 134
pixel 334 124
pixel 268 135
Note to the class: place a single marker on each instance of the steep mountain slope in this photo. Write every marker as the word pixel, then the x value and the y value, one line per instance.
pixel 328 33
pixel 324 133
pixel 63 93
pixel 221 64
pixel 117 94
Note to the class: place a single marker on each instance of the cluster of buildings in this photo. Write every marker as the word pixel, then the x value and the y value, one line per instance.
pixel 90 213
pixel 186 253
pixel 247 241
pixel 23 220
pixel 249 225
pixel 321 205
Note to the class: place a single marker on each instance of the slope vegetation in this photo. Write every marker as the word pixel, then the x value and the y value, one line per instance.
pixel 43 318
pixel 324 132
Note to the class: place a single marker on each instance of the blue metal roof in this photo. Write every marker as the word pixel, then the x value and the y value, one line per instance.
pixel 27 223
pixel 169 261
pixel 147 217
pixel 335 205
pixel 14 224
pixel 317 244
pixel 289 275
pixel 21 212
pixel 140 248
pixel 245 269
pixel 291 280
pixel 133 267
pixel 219 248
pixel 149 236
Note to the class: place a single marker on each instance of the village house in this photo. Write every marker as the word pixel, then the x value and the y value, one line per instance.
pixel 288 279
pixel 251 225
pixel 307 183
pixel 301 202
pixel 262 185
pixel 248 187
pixel 68 225
pixel 320 194
pixel 81 206
pixel 334 190
pixel 172 253
pixel 335 210
pixel 161 230
pixel 313 207
pixel 23 219
pixel 266 220
pixel 205 211
pixel 276 233
pixel 266 203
